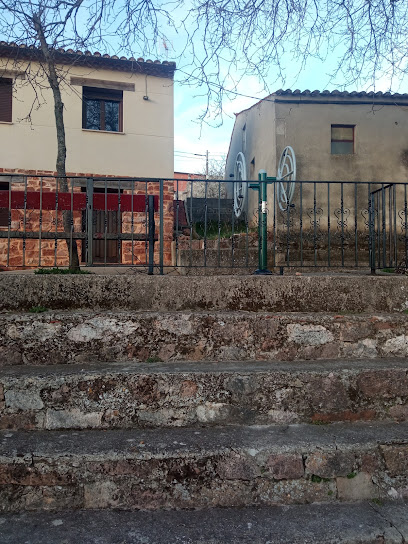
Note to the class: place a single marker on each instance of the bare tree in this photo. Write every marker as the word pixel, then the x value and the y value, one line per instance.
pixel 36 23
pixel 216 42
pixel 216 168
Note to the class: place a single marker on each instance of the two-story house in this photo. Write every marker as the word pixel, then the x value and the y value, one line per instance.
pixel 119 122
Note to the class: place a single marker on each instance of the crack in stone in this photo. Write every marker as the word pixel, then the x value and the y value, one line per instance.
pixel 376 509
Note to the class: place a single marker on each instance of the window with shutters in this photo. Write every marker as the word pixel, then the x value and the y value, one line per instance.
pixel 342 139
pixel 6 94
pixel 102 109
pixel 4 213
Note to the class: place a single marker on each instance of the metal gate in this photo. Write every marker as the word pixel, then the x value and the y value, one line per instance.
pixel 40 224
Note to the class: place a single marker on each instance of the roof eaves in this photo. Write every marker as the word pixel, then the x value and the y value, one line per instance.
pixel 86 58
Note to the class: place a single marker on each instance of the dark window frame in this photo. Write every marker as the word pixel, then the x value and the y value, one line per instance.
pixel 336 140
pixel 102 96
pixel 6 99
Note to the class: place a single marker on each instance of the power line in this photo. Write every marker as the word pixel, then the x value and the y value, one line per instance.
pixel 222 88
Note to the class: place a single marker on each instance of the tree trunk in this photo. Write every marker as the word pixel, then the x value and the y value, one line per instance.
pixel 61 142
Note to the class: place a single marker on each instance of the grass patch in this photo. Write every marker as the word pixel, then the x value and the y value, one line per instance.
pixel 318 479
pixel 351 475
pixel 38 309
pixel 153 359
pixel 60 271
pixel 378 502
pixel 225 229
pixel 405 311
pixel 388 270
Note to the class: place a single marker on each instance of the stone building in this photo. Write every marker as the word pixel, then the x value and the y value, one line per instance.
pixel 119 122
pixel 349 137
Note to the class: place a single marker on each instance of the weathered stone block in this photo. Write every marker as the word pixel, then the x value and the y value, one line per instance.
pixel 213 412
pixel 237 467
pixel 309 335
pixel 101 495
pixel 358 488
pixel 399 412
pixel 330 464
pixel 383 384
pixel 269 492
pixel 21 474
pixel 286 466
pixel 23 400
pixel 188 388
pixel 23 421
pixel 396 459
pixel 71 419
pixel 397 346
pixel 326 393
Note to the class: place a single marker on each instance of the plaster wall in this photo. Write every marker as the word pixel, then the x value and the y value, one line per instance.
pixel 253 135
pixel 144 148
pixel 381 146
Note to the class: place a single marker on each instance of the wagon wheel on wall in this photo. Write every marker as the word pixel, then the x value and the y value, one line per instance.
pixel 240 185
pixel 286 178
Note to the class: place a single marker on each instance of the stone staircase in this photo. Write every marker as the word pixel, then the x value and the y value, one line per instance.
pixel 203 410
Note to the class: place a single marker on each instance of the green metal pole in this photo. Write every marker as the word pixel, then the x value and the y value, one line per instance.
pixel 259 224
pixel 263 255
pixel 264 263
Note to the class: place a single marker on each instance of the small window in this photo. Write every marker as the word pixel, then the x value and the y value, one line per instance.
pixel 6 94
pixel 102 109
pixel 4 213
pixel 342 139
pixel 244 139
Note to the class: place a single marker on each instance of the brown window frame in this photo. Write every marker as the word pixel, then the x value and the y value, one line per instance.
pixel 103 96
pixel 4 212
pixel 342 141
pixel 6 99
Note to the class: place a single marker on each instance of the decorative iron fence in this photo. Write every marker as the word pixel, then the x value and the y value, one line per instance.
pixel 311 225
pixel 200 226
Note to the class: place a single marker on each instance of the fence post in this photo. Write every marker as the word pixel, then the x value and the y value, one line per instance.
pixel 371 233
pixel 161 226
pixel 151 234
pixel 89 222
pixel 263 241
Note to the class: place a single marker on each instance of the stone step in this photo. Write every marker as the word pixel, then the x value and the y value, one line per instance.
pixel 329 293
pixel 126 395
pixel 358 523
pixel 77 336
pixel 190 468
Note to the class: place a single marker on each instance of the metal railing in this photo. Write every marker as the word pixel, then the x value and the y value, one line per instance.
pixel 325 225
pixel 192 225
pixel 111 220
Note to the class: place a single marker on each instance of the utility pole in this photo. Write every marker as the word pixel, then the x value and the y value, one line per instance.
pixel 206 164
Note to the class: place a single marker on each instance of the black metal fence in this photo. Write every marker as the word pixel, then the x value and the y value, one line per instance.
pixel 201 226
pixel 107 221
pixel 324 225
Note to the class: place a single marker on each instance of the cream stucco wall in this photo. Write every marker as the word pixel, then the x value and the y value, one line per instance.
pixel 381 143
pixel 145 148
pixel 254 136
pixel 381 138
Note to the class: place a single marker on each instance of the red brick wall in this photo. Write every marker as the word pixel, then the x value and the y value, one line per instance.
pixel 31 254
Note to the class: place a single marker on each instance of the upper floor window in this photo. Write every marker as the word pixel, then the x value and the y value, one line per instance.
pixel 102 109
pixel 342 139
pixel 6 94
